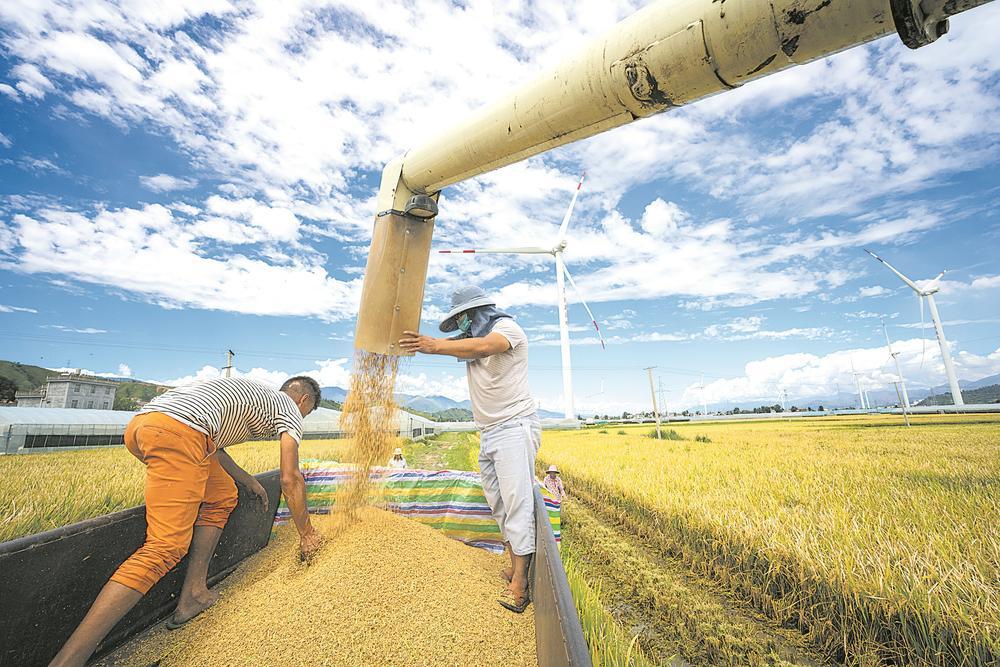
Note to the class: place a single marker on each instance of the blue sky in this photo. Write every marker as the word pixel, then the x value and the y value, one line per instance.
pixel 176 181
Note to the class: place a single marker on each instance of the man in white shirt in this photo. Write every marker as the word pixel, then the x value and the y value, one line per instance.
pixel 495 350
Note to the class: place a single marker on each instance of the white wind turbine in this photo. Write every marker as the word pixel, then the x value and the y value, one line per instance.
pixel 899 371
pixel 562 275
pixel 861 390
pixel 928 293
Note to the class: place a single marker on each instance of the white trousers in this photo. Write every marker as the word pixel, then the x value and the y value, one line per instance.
pixel 507 466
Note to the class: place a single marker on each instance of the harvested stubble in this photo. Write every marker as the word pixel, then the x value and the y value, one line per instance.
pixel 878 542
pixel 387 591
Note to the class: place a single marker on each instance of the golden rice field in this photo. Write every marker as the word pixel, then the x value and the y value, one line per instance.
pixel 39 492
pixel 822 541
pixel 877 544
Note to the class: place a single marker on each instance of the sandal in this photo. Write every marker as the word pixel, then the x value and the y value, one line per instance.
pixel 171 624
pixel 517 608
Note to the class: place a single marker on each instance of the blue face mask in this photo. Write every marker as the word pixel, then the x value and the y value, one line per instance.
pixel 464 323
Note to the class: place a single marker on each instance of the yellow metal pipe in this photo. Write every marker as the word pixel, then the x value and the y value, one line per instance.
pixel 668 54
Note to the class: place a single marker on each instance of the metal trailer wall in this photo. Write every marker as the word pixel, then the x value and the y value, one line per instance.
pixel 48 581
pixel 559 640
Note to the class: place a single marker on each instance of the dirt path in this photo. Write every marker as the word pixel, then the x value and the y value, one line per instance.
pixel 451 451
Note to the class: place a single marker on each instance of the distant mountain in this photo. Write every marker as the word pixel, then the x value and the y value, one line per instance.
pixel 981 382
pixel 428 406
pixel 988 394
pixel 333 394
pixel 849 398
pixel 25 376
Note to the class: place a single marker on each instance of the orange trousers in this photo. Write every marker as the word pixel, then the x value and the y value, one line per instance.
pixel 185 487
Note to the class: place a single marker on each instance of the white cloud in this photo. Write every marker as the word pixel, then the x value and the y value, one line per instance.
pixel 10 92
pixel 166 183
pixel 16 309
pixel 447 385
pixel 85 330
pixel 31 83
pixel 289 103
pixel 336 373
pixel 39 165
pixel 124 370
pixel 874 290
pixel 948 323
pixel 808 376
pixel 5 141
pixel 163 260
pixel 327 372
pixel 986 282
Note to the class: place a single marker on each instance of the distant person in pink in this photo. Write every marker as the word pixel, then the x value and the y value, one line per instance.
pixel 554 483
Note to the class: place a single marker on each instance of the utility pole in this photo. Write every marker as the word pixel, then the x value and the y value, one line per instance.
pixel 656 410
pixel 666 410
pixel 229 363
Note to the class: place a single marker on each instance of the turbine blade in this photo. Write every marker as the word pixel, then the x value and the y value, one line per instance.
pixel 932 286
pixel 906 280
pixel 498 251
pixel 569 211
pixel 579 294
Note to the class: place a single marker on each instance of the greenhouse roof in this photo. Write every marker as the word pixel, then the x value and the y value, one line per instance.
pixel 9 416
pixel 322 419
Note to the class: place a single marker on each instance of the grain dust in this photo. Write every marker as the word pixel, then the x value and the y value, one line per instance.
pixel 369 418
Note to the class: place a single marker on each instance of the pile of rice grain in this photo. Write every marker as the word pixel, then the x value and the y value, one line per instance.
pixel 386 591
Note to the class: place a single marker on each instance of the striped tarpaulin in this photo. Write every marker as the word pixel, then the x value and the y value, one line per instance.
pixel 451 501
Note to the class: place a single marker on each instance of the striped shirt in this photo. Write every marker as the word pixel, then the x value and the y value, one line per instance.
pixel 231 410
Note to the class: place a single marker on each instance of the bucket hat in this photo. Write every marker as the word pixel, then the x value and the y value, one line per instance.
pixel 553 469
pixel 399 451
pixel 463 299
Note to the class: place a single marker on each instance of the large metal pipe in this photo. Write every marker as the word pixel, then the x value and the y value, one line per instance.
pixel 668 54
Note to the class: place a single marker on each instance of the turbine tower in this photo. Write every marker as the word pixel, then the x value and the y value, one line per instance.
pixel 928 294
pixel 899 372
pixel 562 275
pixel 857 383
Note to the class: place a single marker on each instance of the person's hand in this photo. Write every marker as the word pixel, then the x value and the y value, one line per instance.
pixel 309 543
pixel 260 501
pixel 415 342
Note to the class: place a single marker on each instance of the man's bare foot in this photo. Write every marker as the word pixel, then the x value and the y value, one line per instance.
pixel 507 574
pixel 188 608
pixel 517 598
pixel 518 590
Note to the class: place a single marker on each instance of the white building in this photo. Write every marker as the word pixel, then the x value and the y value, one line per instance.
pixel 70 390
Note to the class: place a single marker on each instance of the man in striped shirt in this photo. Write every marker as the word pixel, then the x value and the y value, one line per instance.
pixel 181 438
